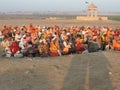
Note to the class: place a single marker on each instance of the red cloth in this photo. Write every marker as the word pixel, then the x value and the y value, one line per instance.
pixel 14 47
pixel 79 47
pixel 53 54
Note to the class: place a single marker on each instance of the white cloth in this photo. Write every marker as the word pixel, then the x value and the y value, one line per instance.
pixel 18 37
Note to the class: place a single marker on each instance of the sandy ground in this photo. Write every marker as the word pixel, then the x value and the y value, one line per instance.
pixel 91 71
pixel 21 22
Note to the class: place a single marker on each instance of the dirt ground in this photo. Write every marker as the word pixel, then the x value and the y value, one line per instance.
pixel 90 71
pixel 40 22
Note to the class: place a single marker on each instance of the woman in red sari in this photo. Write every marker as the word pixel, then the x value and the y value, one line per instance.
pixel 79 44
pixel 14 47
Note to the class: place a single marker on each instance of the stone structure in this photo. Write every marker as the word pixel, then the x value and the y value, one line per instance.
pixel 92 10
pixel 92 14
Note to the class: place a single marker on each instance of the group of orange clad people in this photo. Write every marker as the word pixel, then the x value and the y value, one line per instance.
pixel 56 40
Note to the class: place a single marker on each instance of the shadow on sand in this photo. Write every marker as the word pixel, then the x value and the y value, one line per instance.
pixel 88 72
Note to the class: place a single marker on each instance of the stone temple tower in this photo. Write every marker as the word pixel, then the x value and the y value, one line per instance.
pixel 92 10
pixel 92 14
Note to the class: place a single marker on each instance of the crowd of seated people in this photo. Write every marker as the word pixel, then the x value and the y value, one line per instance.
pixel 57 40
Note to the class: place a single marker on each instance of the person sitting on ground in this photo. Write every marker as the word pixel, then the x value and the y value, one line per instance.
pixel 5 44
pixel 103 41
pixel 116 43
pixel 67 45
pixel 54 47
pixel 110 36
pixel 79 44
pixel 43 48
pixel 14 48
pixel 32 50
pixel 22 44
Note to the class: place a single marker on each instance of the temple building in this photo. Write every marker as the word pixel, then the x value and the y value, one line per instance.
pixel 92 10
pixel 92 14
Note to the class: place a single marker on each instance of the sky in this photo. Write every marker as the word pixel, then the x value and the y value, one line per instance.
pixel 57 5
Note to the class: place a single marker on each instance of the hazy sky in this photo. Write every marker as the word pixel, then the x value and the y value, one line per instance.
pixel 57 5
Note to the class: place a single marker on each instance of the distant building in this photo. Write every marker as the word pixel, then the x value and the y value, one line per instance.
pixel 52 18
pixel 92 10
pixel 92 14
